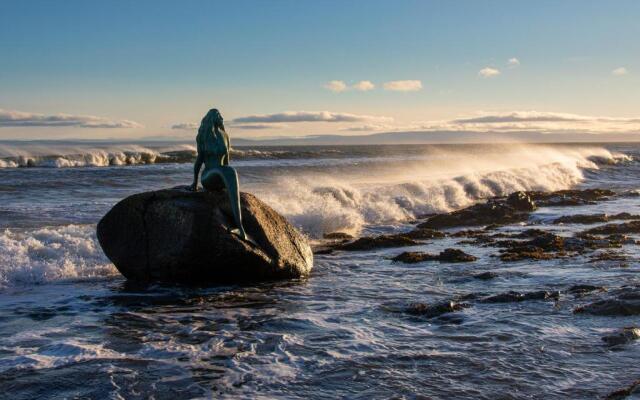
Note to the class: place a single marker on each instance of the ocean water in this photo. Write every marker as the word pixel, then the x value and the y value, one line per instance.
pixel 71 327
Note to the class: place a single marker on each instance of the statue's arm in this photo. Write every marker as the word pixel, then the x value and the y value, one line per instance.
pixel 196 171
pixel 228 146
pixel 224 140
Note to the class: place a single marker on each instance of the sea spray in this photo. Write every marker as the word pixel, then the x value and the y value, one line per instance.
pixel 33 256
pixel 394 193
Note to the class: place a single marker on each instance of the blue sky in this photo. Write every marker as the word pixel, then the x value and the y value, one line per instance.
pixel 127 69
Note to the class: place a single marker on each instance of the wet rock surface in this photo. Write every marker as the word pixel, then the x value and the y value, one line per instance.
pixel 486 276
pixel 594 218
pixel 581 290
pixel 434 310
pixel 447 255
pixel 621 228
pixel 622 337
pixel 514 297
pixel 571 197
pixel 338 236
pixel 495 211
pixel 377 242
pixel 621 302
pixel 624 393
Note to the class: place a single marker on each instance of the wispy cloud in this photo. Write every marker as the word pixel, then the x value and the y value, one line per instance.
pixel 185 126
pixel 517 121
pixel 619 71
pixel 364 86
pixel 513 62
pixel 10 118
pixel 309 116
pixel 258 126
pixel 403 86
pixel 369 128
pixel 336 86
pixel 488 72
pixel 190 126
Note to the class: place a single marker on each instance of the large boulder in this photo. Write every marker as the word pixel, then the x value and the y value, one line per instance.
pixel 176 235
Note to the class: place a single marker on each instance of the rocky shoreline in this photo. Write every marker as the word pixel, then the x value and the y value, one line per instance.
pixel 598 237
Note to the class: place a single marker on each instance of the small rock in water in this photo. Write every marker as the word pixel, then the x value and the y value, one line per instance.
pixel 448 255
pixel 608 256
pixel 377 242
pixel 434 310
pixel 624 392
pixel 582 219
pixel 424 233
pixel 625 227
pixel 570 197
pixel 512 297
pixel 485 276
pixel 413 257
pixel 521 201
pixel 455 255
pixel 611 307
pixel 581 290
pixel 337 236
pixel 527 253
pixel 594 218
pixel 626 335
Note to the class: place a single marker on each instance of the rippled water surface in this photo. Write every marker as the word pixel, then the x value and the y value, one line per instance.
pixel 71 327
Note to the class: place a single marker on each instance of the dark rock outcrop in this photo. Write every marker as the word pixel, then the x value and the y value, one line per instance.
pixel 611 307
pixel 622 337
pixel 424 233
pixel 582 290
pixel 513 297
pixel 377 242
pixel 486 276
pixel 594 218
pixel 625 392
pixel 571 197
pixel 582 219
pixel 176 235
pixel 434 310
pixel 479 214
pixel 447 255
pixel 337 236
pixel 625 227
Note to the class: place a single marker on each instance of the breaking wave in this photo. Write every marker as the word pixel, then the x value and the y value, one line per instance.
pixel 35 256
pixel 323 204
pixel 95 156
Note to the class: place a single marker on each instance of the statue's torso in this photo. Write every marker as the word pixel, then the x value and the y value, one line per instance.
pixel 212 149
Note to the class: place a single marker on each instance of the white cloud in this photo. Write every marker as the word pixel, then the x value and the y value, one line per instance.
pixel 27 119
pixel 336 86
pixel 515 121
pixel 369 128
pixel 185 126
pixel 403 86
pixel 364 86
pixel 513 62
pixel 309 116
pixel 619 71
pixel 488 72
pixel 258 126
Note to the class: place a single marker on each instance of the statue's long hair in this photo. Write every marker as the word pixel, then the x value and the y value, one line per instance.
pixel 212 120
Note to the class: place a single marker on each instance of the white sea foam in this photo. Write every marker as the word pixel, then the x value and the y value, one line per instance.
pixel 42 255
pixel 446 181
pixel 65 156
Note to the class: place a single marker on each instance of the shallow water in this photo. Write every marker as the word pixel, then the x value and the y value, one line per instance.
pixel 71 327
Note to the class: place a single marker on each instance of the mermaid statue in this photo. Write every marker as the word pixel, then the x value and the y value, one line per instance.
pixel 213 150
